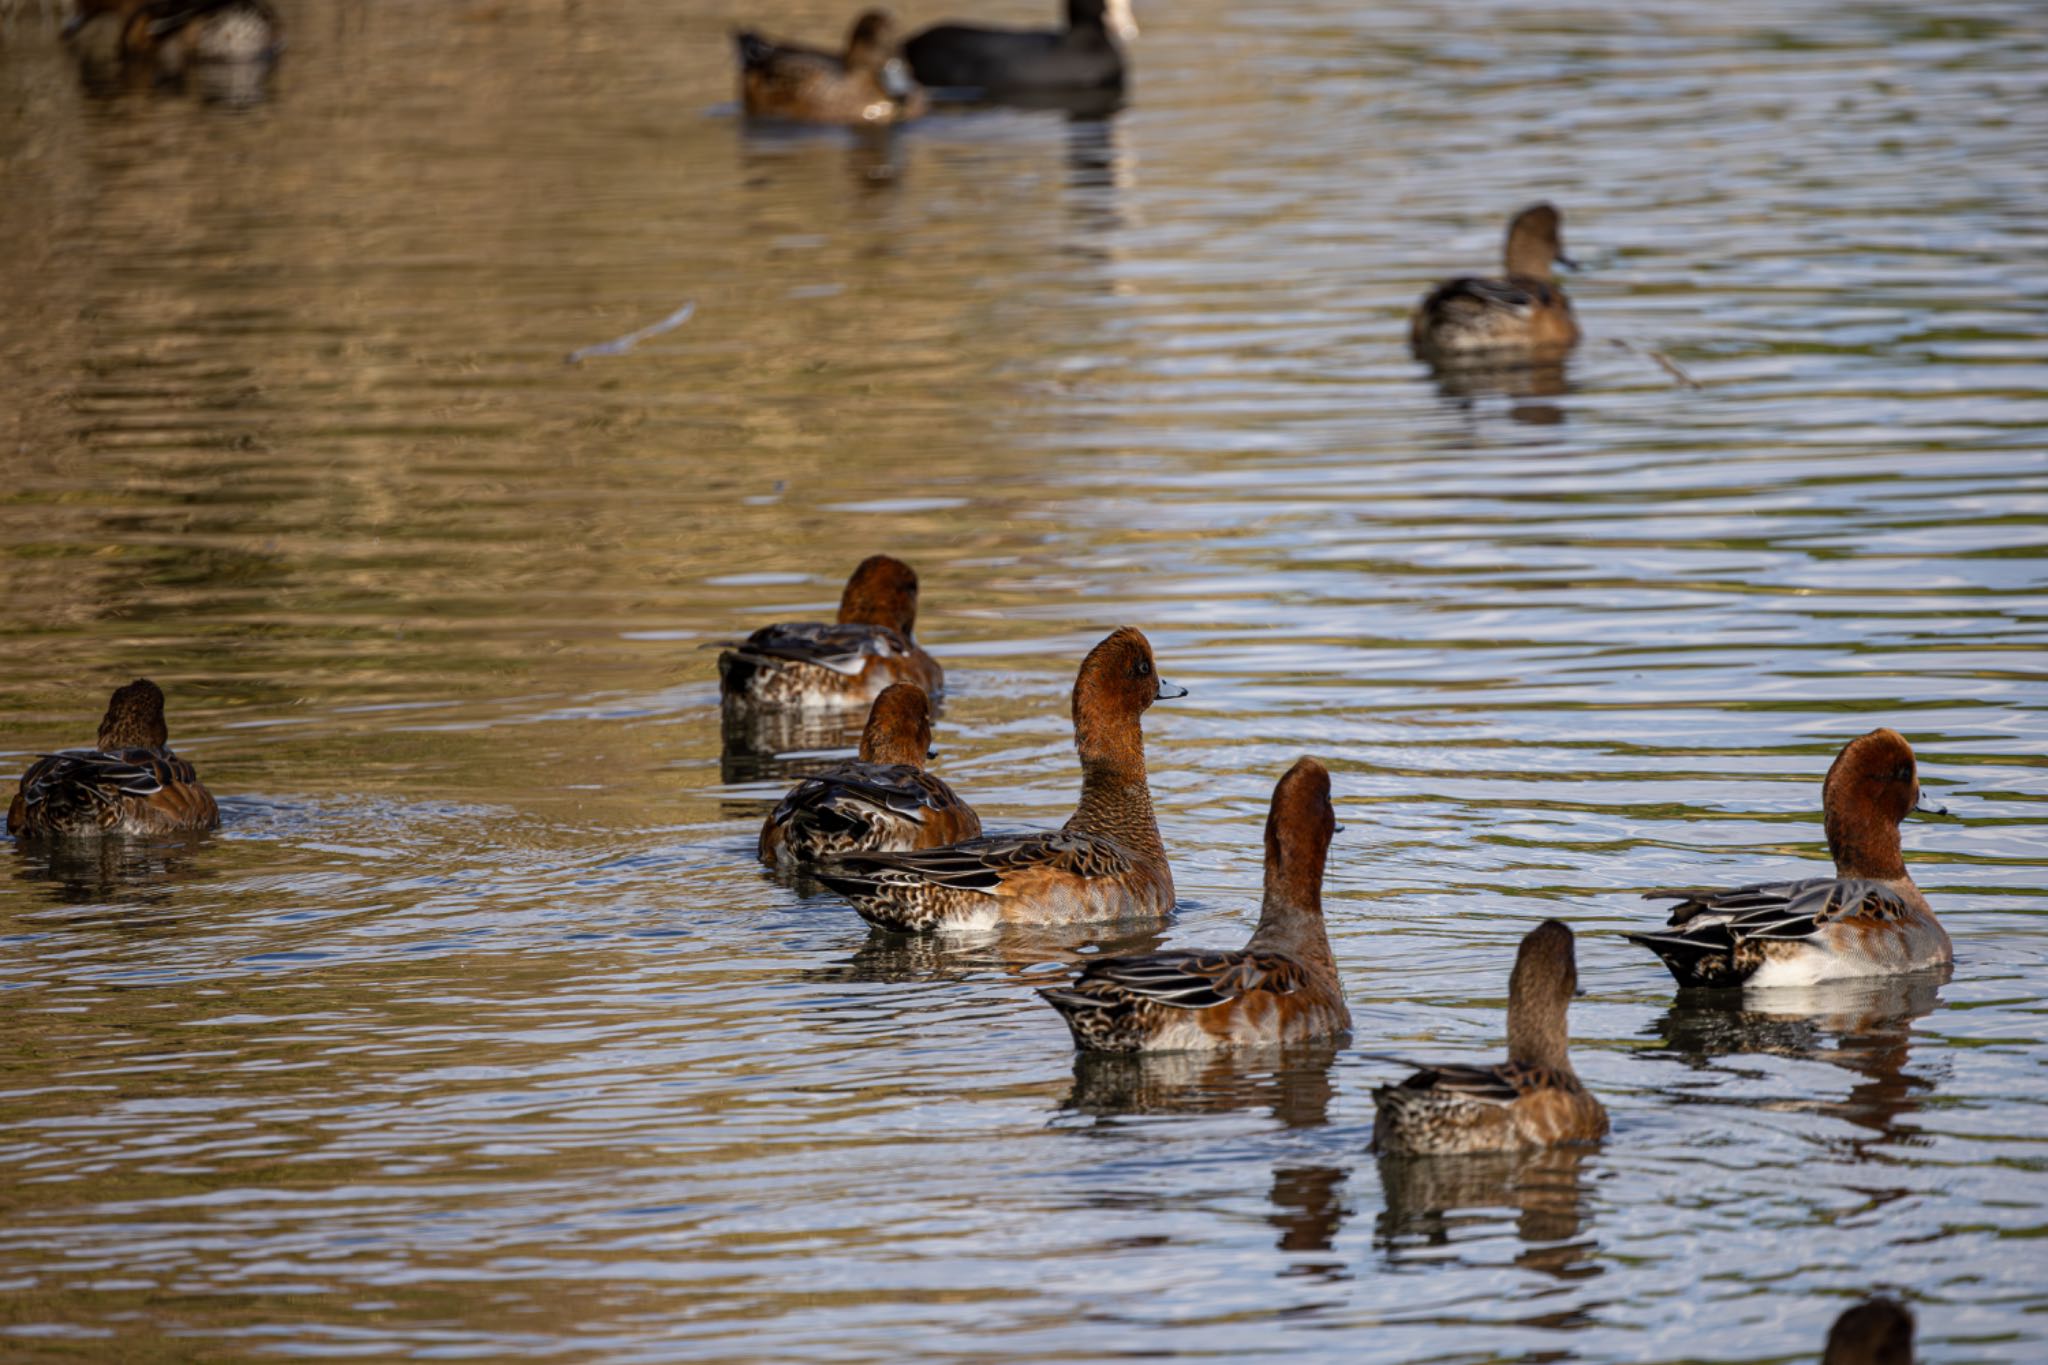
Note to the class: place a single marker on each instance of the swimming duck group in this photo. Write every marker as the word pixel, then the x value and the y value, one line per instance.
pixel 909 854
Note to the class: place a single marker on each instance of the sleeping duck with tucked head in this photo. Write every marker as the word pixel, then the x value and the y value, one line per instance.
pixel 129 783
pixel 1473 320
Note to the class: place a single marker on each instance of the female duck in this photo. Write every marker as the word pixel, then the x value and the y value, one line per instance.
pixel 869 84
pixel 1470 320
pixel 1282 987
pixel 883 802
pixel 177 34
pixel 1534 1099
pixel 130 784
pixel 1877 1331
pixel 1082 57
pixel 1107 862
pixel 1866 920
pixel 846 664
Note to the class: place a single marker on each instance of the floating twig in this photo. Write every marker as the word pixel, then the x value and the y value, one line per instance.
pixel 1663 362
pixel 621 345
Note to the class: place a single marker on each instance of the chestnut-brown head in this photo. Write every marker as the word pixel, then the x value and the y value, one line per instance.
pixel 882 592
pixel 1536 242
pixel 1879 1332
pixel 1872 786
pixel 135 718
pixel 1298 832
pixel 1117 681
pixel 899 728
pixel 872 41
pixel 1540 992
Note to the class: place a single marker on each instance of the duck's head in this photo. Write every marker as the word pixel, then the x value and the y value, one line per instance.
pixel 1873 784
pixel 1879 1332
pixel 135 718
pixel 882 592
pixel 872 41
pixel 1536 243
pixel 1298 831
pixel 899 728
pixel 1117 682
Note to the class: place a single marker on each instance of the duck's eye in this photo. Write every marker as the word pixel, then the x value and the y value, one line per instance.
pixel 1903 773
pixel 1144 668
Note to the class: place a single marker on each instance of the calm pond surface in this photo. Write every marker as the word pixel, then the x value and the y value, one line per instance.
pixel 476 1032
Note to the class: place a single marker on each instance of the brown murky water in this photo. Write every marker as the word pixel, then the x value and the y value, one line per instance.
pixel 475 1033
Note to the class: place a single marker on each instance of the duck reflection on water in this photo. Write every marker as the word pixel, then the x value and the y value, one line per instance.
pixel 1437 1202
pixel 1292 1083
pixel 1863 1026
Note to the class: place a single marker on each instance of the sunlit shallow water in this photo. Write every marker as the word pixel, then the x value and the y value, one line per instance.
pixel 476 1033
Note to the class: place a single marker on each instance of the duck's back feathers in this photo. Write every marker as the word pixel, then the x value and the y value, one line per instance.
pixel 865 807
pixel 1472 314
pixel 1181 1000
pixel 1447 1109
pixel 1067 875
pixel 813 663
pixel 216 30
pixel 999 60
pixel 1724 937
pixel 93 791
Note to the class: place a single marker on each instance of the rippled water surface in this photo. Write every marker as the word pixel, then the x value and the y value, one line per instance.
pixel 476 1032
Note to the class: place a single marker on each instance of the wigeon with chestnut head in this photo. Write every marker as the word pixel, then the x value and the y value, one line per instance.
pixel 1282 987
pixel 1877 1331
pixel 1534 1099
pixel 1476 321
pixel 884 802
pixel 1866 920
pixel 846 664
pixel 1105 863
pixel 131 783
pixel 867 84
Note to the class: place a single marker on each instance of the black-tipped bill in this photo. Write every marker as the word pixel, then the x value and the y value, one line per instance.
pixel 1567 262
pixel 1168 691
pixel 1926 807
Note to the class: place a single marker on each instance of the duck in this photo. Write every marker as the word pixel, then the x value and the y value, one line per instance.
pixel 1282 987
pixel 844 665
pixel 177 34
pixel 1082 57
pixel 1878 1331
pixel 129 783
pixel 1532 1100
pixel 883 802
pixel 1867 920
pixel 866 85
pixel 1106 863
pixel 1524 316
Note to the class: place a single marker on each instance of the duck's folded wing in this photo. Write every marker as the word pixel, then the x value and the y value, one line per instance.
pixel 1194 980
pixel 979 864
pixel 1470 298
pixel 1776 910
pixel 856 793
pixel 1503 1084
pixel 102 777
pixel 841 648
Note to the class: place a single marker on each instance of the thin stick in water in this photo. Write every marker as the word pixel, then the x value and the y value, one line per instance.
pixel 621 345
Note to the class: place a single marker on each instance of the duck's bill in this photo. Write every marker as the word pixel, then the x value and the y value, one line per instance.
pixel 896 79
pixel 1568 262
pixel 1168 691
pixel 1926 807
